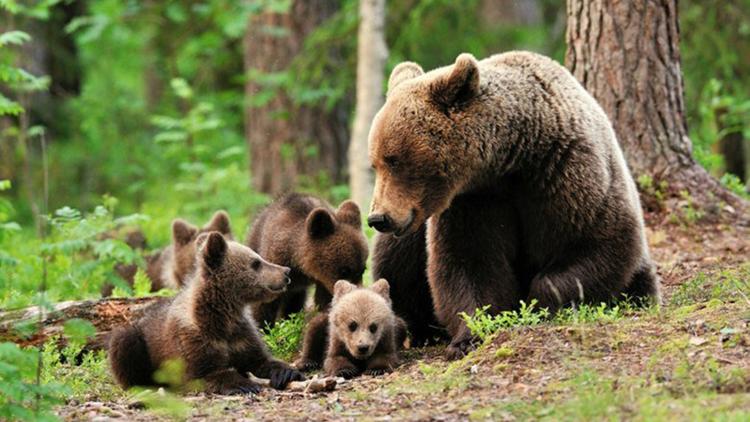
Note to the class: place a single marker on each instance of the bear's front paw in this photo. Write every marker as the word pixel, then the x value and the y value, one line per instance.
pixel 347 373
pixel 244 388
pixel 282 376
pixel 376 371
pixel 459 348
pixel 306 365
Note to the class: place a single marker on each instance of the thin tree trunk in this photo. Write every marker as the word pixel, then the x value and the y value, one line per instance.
pixel 287 140
pixel 371 56
pixel 626 54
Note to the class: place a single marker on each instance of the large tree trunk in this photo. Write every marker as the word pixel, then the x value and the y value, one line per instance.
pixel 371 56
pixel 287 140
pixel 627 56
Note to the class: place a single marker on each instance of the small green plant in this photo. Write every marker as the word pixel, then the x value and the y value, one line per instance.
pixel 586 313
pixel 483 325
pixel 689 213
pixel 649 187
pixel 734 184
pixel 285 336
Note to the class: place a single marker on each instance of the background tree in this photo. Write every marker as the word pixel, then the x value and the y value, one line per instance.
pixel 371 56
pixel 627 56
pixel 286 138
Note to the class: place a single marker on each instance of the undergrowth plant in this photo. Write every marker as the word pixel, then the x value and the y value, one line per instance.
pixel 285 336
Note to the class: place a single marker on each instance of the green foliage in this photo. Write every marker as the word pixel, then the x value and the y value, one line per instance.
pixel 285 336
pixel 482 324
pixel 81 249
pixel 22 398
pixel 734 184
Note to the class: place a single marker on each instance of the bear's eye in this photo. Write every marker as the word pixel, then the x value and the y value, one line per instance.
pixel 373 328
pixel 352 326
pixel 255 265
pixel 391 161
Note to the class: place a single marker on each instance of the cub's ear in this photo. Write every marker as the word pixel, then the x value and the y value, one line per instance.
pixel 460 85
pixel 342 287
pixel 348 213
pixel 220 223
pixel 320 223
pixel 213 248
pixel 382 288
pixel 182 232
pixel 402 72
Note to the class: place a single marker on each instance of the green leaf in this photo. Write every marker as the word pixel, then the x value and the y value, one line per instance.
pixel 14 37
pixel 78 330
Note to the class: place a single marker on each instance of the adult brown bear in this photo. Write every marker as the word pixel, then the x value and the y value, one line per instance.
pixel 517 173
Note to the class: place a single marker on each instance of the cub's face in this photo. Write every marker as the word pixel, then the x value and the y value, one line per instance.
pixel 360 317
pixel 241 270
pixel 418 145
pixel 334 248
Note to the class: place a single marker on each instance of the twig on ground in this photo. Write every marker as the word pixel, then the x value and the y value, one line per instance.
pixel 311 386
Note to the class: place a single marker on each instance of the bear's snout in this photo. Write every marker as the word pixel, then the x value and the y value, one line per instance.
pixel 380 222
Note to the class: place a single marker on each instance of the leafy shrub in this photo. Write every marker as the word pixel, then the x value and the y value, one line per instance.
pixel 285 336
pixel 483 325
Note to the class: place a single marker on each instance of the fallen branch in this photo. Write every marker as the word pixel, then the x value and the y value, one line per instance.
pixel 310 386
pixel 104 314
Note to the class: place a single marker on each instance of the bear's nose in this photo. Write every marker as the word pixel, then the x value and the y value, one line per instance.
pixel 362 349
pixel 380 222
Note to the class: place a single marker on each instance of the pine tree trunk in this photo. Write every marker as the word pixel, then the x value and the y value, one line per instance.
pixel 288 141
pixel 626 54
pixel 371 56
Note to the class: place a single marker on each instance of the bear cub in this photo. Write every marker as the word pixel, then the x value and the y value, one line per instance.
pixel 364 333
pixel 206 325
pixel 321 245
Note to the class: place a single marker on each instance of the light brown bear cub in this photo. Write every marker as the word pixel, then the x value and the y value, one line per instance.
pixel 364 333
pixel 206 325
pixel 321 245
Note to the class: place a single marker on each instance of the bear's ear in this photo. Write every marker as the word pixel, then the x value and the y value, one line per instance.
pixel 220 223
pixel 320 223
pixel 213 248
pixel 348 213
pixel 460 86
pixel 342 287
pixel 382 288
pixel 402 72
pixel 182 232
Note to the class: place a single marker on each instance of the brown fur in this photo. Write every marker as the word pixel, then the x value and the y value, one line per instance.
pixel 403 262
pixel 526 190
pixel 320 245
pixel 364 331
pixel 206 325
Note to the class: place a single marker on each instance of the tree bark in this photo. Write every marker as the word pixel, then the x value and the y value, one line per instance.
pixel 287 140
pixel 626 54
pixel 371 56
pixel 104 314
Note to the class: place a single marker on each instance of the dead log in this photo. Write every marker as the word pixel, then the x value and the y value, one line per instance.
pixel 104 314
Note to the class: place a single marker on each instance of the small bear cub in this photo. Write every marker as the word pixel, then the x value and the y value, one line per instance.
pixel 364 333
pixel 208 325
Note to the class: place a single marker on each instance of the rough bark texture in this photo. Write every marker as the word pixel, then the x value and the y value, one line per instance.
pixel 287 140
pixel 105 314
pixel 626 54
pixel 371 56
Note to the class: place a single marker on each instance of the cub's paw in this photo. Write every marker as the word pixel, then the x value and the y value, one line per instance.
pixel 459 348
pixel 244 388
pixel 282 376
pixel 347 373
pixel 376 371
pixel 306 365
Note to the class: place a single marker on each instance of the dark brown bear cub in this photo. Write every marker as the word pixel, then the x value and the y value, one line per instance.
pixel 364 332
pixel 206 326
pixel 321 245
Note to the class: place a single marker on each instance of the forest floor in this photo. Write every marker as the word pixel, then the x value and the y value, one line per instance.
pixel 686 360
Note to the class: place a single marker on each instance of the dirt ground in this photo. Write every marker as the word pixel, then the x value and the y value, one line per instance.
pixel 689 359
